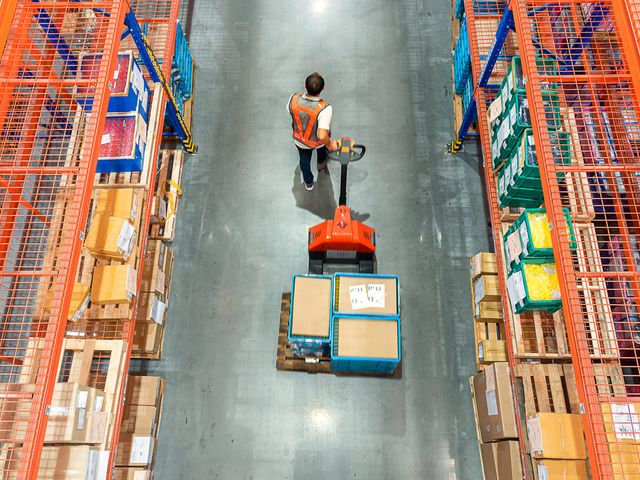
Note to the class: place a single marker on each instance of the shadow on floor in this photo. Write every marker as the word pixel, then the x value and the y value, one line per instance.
pixel 320 201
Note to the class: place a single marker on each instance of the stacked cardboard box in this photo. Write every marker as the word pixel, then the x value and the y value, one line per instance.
pixel 66 462
pixel 154 296
pixel 496 421
pixel 487 310
pixel 140 426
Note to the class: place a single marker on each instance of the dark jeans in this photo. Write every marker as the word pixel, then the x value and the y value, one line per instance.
pixel 305 161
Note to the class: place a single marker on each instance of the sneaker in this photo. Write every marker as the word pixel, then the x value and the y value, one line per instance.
pixel 308 186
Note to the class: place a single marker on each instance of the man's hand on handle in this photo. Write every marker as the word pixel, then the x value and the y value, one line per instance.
pixel 333 146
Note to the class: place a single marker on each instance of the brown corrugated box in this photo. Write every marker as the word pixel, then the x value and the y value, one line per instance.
pixel 489 312
pixel 501 460
pixel 143 390
pixel 147 336
pixel 135 450
pixel 110 237
pixel 483 263
pixel 139 419
pixel 311 310
pixel 131 473
pixel 113 284
pixel 343 298
pixel 364 338
pixel 494 401
pixel 556 435
pixel 153 275
pixel 563 469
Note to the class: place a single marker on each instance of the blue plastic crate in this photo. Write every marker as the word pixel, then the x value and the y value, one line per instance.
pixel 363 364
pixel 130 91
pixel 306 345
pixel 461 60
pixel 459 12
pixel 364 278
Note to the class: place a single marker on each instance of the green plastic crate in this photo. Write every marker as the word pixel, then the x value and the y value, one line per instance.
pixel 529 250
pixel 514 81
pixel 520 285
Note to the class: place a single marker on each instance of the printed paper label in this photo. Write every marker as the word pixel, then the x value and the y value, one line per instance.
pixel 99 402
pixel 625 421
pixel 81 310
pixel 134 208
pixel 157 311
pixel 543 472
pixel 490 379
pixel 81 399
pixel 131 281
pixel 376 295
pixel 141 450
pixel 535 435
pixel 106 138
pixel 492 403
pixel 59 411
pixel 124 238
pixel 82 416
pixel 358 296
pixel 480 351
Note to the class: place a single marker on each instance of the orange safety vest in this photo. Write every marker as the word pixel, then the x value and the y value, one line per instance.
pixel 304 114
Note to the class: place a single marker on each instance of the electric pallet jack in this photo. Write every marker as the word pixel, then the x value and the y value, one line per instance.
pixel 342 240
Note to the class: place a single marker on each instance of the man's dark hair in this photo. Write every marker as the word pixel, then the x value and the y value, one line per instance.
pixel 314 84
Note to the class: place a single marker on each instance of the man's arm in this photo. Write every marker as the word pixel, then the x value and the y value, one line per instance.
pixel 325 138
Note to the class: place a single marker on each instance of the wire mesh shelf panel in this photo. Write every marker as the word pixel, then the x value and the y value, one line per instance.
pixel 54 73
pixel 587 63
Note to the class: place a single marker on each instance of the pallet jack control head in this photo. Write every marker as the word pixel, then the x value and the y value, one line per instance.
pixel 348 151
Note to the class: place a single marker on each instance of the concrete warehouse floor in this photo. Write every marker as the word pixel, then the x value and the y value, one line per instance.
pixel 242 224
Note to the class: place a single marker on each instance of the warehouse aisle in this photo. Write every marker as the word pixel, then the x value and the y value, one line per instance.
pixel 228 413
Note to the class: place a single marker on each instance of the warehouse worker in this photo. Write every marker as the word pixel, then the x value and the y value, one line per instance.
pixel 311 123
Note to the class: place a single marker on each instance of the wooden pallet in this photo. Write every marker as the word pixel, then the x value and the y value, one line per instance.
pixel 539 335
pixel 543 388
pixel 138 179
pixel 171 163
pixel 286 360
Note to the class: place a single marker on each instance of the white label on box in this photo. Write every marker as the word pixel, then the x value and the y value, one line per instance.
pixel 59 411
pixel 81 310
pixel 524 237
pixel 99 402
pixel 495 110
pixel 138 475
pixel 160 279
pixel 625 421
pixel 515 288
pixel 477 309
pixel 535 435
pixel 376 295
pixel 157 311
pixel 141 450
pixel 478 290
pixel 480 351
pixel 358 297
pixel 82 416
pixel 492 403
pixel 490 379
pixel 124 238
pixel 98 465
pixel 106 138
pixel 81 399
pixel 543 472
pixel 134 208
pixel 132 280
pixel 162 208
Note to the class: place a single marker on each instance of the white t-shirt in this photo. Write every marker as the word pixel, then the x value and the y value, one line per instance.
pixel 324 117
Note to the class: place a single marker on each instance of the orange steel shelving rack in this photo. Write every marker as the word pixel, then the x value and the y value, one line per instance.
pixel 45 191
pixel 594 50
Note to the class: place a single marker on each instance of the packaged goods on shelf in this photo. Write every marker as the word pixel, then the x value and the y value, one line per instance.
pixel 364 294
pixel 483 263
pixel 122 203
pixel 491 351
pixel 495 404
pixel 124 140
pixel 486 288
pixel 131 473
pixel 534 286
pixel 147 338
pixel 622 427
pixel 153 275
pixel 79 301
pixel 158 209
pixel 310 315
pixel 111 237
pixel 501 460
pixel 151 308
pixel 144 390
pixel 461 60
pixel 135 450
pixel 113 284
pixel 76 462
pixel 551 469
pixel 489 312
pixel 140 419
pixel 556 436
pixel 129 92
pixel 529 238
pixel 366 344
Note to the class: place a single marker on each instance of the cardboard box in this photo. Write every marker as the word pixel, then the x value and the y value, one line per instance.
pixel 139 419
pixel 489 454
pixel 147 337
pixel 486 289
pixel 489 312
pixel 494 401
pixel 311 309
pixel 123 203
pixel 491 351
pixel 135 450
pixel 77 462
pixel 509 460
pixel 79 301
pixel 360 338
pixel 151 308
pixel 622 427
pixel 158 210
pixel 111 238
pixel 556 435
pixel 131 473
pixel 153 280
pixel 562 469
pixel 483 263
pixel 168 268
pixel 113 284
pixel 344 300
pixel 144 390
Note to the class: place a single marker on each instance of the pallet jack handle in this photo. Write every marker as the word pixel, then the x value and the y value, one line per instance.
pixel 347 152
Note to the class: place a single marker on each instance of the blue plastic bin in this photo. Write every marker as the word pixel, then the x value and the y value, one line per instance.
pixel 352 362
pixel 310 345
pixel 340 307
